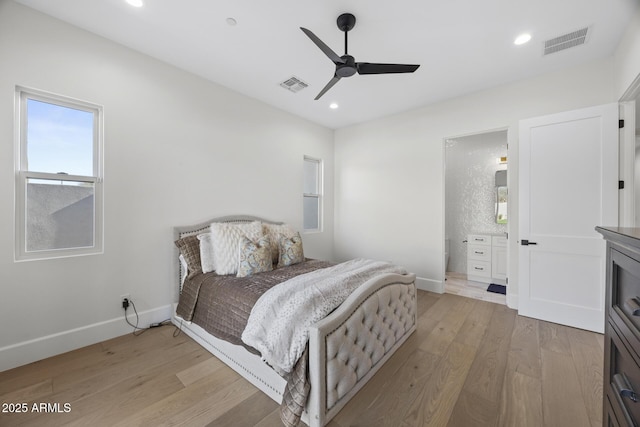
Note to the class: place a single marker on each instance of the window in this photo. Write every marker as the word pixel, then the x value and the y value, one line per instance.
pixel 58 179
pixel 312 197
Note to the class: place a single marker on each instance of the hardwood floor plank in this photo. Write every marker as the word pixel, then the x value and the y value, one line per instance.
pixel 442 306
pixel 212 405
pixel 521 403
pixel 271 420
pixel 561 395
pixel 473 410
pixel 115 400
pixel 425 301
pixel 127 397
pixel 29 393
pixel 148 349
pixel 424 327
pixel 42 370
pixel 521 395
pixel 589 360
pixel 524 351
pixel 257 407
pixel 385 405
pixel 443 334
pixel 75 387
pixel 108 408
pixel 553 337
pixel 435 402
pixel 474 327
pixel 159 411
pixel 486 374
pixel 195 372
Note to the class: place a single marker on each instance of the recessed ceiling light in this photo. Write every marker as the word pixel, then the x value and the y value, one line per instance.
pixel 333 105
pixel 522 39
pixel 135 3
pixel 231 21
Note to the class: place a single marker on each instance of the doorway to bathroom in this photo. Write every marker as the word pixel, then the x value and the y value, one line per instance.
pixel 476 215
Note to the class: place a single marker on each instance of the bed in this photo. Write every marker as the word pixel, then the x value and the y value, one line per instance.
pixel 345 348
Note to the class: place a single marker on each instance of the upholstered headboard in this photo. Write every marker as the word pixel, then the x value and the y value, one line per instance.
pixel 202 227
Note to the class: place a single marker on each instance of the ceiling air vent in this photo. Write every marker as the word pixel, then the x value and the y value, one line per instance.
pixel 575 38
pixel 294 84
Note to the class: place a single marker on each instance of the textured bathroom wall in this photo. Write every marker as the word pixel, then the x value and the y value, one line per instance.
pixel 470 194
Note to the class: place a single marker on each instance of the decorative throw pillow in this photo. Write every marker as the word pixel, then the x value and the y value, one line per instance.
pixel 226 238
pixel 254 257
pixel 190 249
pixel 290 251
pixel 275 232
pixel 206 253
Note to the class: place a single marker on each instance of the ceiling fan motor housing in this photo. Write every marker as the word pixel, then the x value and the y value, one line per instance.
pixel 347 69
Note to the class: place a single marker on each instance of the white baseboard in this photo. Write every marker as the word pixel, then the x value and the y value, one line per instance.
pixel 512 300
pixel 40 348
pixel 430 285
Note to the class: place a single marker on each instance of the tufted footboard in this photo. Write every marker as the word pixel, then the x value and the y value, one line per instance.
pixel 349 346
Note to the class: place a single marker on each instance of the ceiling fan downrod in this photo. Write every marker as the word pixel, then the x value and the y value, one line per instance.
pixel 346 43
pixel 346 22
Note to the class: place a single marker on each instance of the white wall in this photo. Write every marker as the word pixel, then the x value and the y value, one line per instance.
pixel 389 172
pixel 178 150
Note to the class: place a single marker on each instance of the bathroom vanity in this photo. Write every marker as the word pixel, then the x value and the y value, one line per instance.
pixel 487 258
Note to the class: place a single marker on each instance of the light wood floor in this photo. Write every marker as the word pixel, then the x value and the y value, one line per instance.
pixel 457 283
pixel 470 363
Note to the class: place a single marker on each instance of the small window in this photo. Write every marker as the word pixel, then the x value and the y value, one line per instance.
pixel 312 197
pixel 58 182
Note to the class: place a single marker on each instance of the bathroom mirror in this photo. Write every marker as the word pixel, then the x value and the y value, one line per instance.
pixel 501 206
pixel 501 197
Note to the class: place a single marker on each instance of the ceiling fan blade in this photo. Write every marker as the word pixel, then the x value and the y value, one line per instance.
pixel 329 85
pixel 367 68
pixel 323 47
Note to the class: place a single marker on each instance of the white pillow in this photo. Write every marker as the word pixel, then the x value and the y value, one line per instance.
pixel 226 240
pixel 207 260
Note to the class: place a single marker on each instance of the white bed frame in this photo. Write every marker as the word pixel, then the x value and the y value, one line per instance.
pixel 345 349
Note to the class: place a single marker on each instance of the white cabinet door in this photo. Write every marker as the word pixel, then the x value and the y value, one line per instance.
pixel 499 263
pixel 568 172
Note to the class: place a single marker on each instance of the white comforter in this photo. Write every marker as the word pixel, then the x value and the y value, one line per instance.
pixel 278 325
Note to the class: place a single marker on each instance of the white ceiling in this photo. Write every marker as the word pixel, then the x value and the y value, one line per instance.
pixel 462 45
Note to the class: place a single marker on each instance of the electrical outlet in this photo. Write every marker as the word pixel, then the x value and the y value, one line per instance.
pixel 122 298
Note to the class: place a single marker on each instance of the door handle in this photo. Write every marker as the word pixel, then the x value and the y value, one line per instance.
pixel 525 242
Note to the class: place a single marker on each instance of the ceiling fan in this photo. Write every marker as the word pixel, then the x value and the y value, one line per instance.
pixel 346 65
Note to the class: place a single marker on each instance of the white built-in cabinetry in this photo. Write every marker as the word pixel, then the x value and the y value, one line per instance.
pixel 487 258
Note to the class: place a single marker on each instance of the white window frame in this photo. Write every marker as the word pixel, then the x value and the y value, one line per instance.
pixel 22 175
pixel 317 195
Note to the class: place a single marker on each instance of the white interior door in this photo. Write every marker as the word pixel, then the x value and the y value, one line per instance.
pixel 568 185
